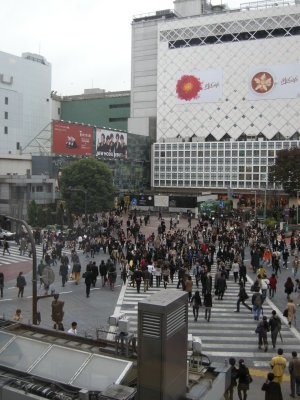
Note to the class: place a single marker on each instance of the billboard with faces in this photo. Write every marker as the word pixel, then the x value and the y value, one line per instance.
pixel 111 144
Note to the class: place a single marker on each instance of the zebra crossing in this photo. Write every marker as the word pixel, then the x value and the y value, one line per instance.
pixel 15 257
pixel 228 334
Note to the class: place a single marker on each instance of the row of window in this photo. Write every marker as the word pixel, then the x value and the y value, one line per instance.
pixel 212 168
pixel 278 144
pixel 213 176
pixel 214 161
pixel 214 184
pixel 215 153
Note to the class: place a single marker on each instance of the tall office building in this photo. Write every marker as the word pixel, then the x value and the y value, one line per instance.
pixel 25 103
pixel 218 75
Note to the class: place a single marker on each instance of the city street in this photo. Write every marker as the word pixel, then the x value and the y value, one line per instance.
pixel 228 334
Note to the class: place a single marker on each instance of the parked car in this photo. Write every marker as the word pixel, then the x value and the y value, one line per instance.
pixel 7 234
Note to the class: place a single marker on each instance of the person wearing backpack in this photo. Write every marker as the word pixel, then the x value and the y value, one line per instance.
pixel 262 329
pixel 275 326
pixel 257 301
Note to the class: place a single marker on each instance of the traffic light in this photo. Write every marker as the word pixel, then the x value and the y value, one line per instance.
pixel 236 196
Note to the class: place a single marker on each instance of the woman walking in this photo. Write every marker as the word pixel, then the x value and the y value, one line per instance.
pixel 244 379
pixel 208 305
pixel 196 303
pixel 291 311
pixel 288 287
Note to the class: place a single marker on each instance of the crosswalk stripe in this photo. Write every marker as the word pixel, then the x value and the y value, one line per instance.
pixel 234 332
pixel 15 256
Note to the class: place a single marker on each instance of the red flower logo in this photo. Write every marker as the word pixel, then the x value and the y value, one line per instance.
pixel 188 87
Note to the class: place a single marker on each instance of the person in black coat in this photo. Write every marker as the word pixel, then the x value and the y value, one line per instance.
pixel 88 278
pixel 272 389
pixel 244 379
pixel 63 272
pixel 103 272
pixel 95 273
pixel 242 297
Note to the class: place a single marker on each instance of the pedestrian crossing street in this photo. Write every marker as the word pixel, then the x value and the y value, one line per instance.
pixel 228 334
pixel 15 257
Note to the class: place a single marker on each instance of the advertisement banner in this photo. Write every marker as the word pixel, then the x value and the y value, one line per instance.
pixel 161 201
pixel 269 82
pixel 199 86
pixel 72 139
pixel 111 144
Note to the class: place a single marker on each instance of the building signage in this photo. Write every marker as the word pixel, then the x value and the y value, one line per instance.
pixel 199 86
pixel 279 81
pixel 72 139
pixel 111 144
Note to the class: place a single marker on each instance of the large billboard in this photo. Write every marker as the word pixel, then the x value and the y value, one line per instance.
pixel 278 81
pixel 199 86
pixel 72 139
pixel 111 144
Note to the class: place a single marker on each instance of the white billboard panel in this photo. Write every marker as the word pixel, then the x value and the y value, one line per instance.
pixel 279 81
pixel 199 86
pixel 111 144
pixel 161 201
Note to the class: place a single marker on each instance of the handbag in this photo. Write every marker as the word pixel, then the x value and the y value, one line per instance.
pixel 285 313
pixel 249 378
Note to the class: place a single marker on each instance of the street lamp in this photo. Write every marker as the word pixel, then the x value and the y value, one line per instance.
pixel 85 199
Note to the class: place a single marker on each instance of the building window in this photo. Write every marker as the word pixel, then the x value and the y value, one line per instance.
pixel 18 145
pixel 6 115
pixel 125 105
pixel 6 130
pixel 58 111
pixel 6 100
pixel 120 119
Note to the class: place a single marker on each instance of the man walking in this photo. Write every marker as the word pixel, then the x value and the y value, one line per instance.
pixel 275 326
pixel 242 297
pixel 294 370
pixel 278 364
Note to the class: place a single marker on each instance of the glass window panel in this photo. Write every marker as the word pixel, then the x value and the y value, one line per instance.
pixel 174 183
pixel 248 184
pixel 180 183
pixel 241 177
pixel 241 184
pixel 220 183
pixel 21 353
pixel 256 161
pixel 180 154
pixel 256 145
pixel 214 161
pixel 156 183
pixel 234 169
pixel 213 183
pixel 193 183
pixel 234 160
pixel 234 145
pixel 4 338
pixel 234 184
pixel 278 145
pixel 101 372
pixel 206 183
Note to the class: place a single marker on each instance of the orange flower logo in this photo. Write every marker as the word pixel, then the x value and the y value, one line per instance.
pixel 188 87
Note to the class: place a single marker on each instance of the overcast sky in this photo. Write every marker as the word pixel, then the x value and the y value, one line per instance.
pixel 88 42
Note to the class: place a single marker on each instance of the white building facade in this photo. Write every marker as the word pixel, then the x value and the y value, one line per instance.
pixel 226 93
pixel 25 101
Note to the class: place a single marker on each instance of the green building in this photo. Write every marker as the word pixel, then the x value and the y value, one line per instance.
pixel 97 107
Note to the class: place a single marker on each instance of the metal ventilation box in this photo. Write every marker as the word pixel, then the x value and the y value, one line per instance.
pixel 162 346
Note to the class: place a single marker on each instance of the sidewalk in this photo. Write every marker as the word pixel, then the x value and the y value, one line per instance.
pixel 259 377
